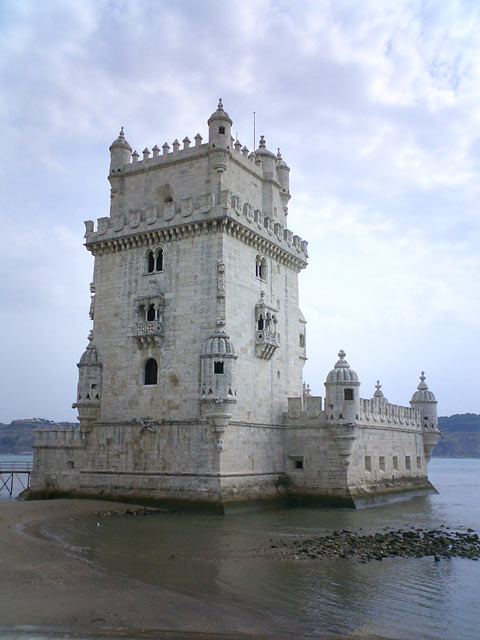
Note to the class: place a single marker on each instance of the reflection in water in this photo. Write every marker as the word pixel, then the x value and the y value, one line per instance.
pixel 396 598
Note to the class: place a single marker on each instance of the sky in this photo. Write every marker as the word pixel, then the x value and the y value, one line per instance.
pixel 375 106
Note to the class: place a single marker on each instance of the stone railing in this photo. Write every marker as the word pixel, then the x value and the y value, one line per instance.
pixel 266 342
pixel 147 333
pixel 374 410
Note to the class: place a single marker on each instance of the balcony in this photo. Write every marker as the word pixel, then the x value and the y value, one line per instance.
pixel 266 343
pixel 148 333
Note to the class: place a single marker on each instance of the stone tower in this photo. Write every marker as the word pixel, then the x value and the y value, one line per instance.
pixel 190 390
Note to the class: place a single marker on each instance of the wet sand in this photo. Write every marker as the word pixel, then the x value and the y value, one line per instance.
pixel 47 587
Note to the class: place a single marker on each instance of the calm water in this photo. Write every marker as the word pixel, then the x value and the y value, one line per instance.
pixel 17 481
pixel 395 598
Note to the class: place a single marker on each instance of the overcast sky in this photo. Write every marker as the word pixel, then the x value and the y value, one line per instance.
pixel 376 108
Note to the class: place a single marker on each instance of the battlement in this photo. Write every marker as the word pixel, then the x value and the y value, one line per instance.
pixel 58 437
pixel 375 411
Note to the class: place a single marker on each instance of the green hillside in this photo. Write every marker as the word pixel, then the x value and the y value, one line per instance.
pixel 17 437
pixel 460 436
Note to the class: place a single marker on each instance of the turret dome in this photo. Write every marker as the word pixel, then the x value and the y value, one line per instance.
pixel 342 373
pixel 89 356
pixel 218 344
pixel 220 114
pixel 423 393
pixel 120 142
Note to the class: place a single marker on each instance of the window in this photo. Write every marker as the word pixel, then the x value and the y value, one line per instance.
pixel 301 340
pixel 150 262
pixel 381 463
pixel 151 371
pixel 260 323
pixel 159 260
pixel 299 463
pixel 154 261
pixel 260 268
pixel 395 463
pixel 368 463
pixel 348 394
pixel 419 462
pixel 151 313
pixel 218 367
pixel 408 464
pixel 221 129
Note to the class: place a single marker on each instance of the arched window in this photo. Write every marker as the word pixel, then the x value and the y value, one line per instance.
pixel 151 371
pixel 260 323
pixel 263 269
pixel 159 260
pixel 258 263
pixel 151 313
pixel 150 262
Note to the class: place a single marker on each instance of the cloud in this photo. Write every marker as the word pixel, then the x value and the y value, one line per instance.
pixel 375 107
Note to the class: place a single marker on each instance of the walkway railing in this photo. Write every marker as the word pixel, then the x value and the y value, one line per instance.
pixel 14 470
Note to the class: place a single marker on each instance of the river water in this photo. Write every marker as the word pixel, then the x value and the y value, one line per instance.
pixel 395 598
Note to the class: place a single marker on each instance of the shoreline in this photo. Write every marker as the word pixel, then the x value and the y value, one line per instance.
pixel 47 587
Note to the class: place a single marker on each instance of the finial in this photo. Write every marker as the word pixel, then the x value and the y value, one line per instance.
pixel 121 134
pixel 378 390
pixel 341 354
pixel 279 155
pixel 422 385
pixel 262 144
pixel 220 104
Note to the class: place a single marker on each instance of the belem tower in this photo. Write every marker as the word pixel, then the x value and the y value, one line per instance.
pixel 190 390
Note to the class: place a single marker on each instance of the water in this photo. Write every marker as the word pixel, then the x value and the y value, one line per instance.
pixel 18 487
pixel 395 598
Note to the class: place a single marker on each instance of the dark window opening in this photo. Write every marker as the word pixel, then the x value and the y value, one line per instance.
pixel 150 262
pixel 218 367
pixel 263 270
pixel 159 260
pixel 301 340
pixel 260 323
pixel 151 370
pixel 221 129
pixel 348 394
pixel 168 199
pixel 70 464
pixel 151 313
pixel 298 464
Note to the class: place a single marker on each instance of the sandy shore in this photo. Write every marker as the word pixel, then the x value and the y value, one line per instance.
pixel 45 586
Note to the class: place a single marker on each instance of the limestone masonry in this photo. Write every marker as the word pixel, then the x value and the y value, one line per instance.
pixel 190 390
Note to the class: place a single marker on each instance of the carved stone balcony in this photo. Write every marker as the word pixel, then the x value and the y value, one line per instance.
pixel 266 343
pixel 148 333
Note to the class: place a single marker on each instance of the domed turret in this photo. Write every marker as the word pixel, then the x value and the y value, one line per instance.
pixel 342 401
pixel 217 368
pixel 120 152
pixel 283 173
pixel 89 386
pixel 424 400
pixel 219 128
pixel 267 157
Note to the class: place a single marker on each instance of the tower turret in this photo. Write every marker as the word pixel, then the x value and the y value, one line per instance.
pixel 89 386
pixel 268 158
pixel 378 394
pixel 120 152
pixel 424 400
pixel 342 400
pixel 219 128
